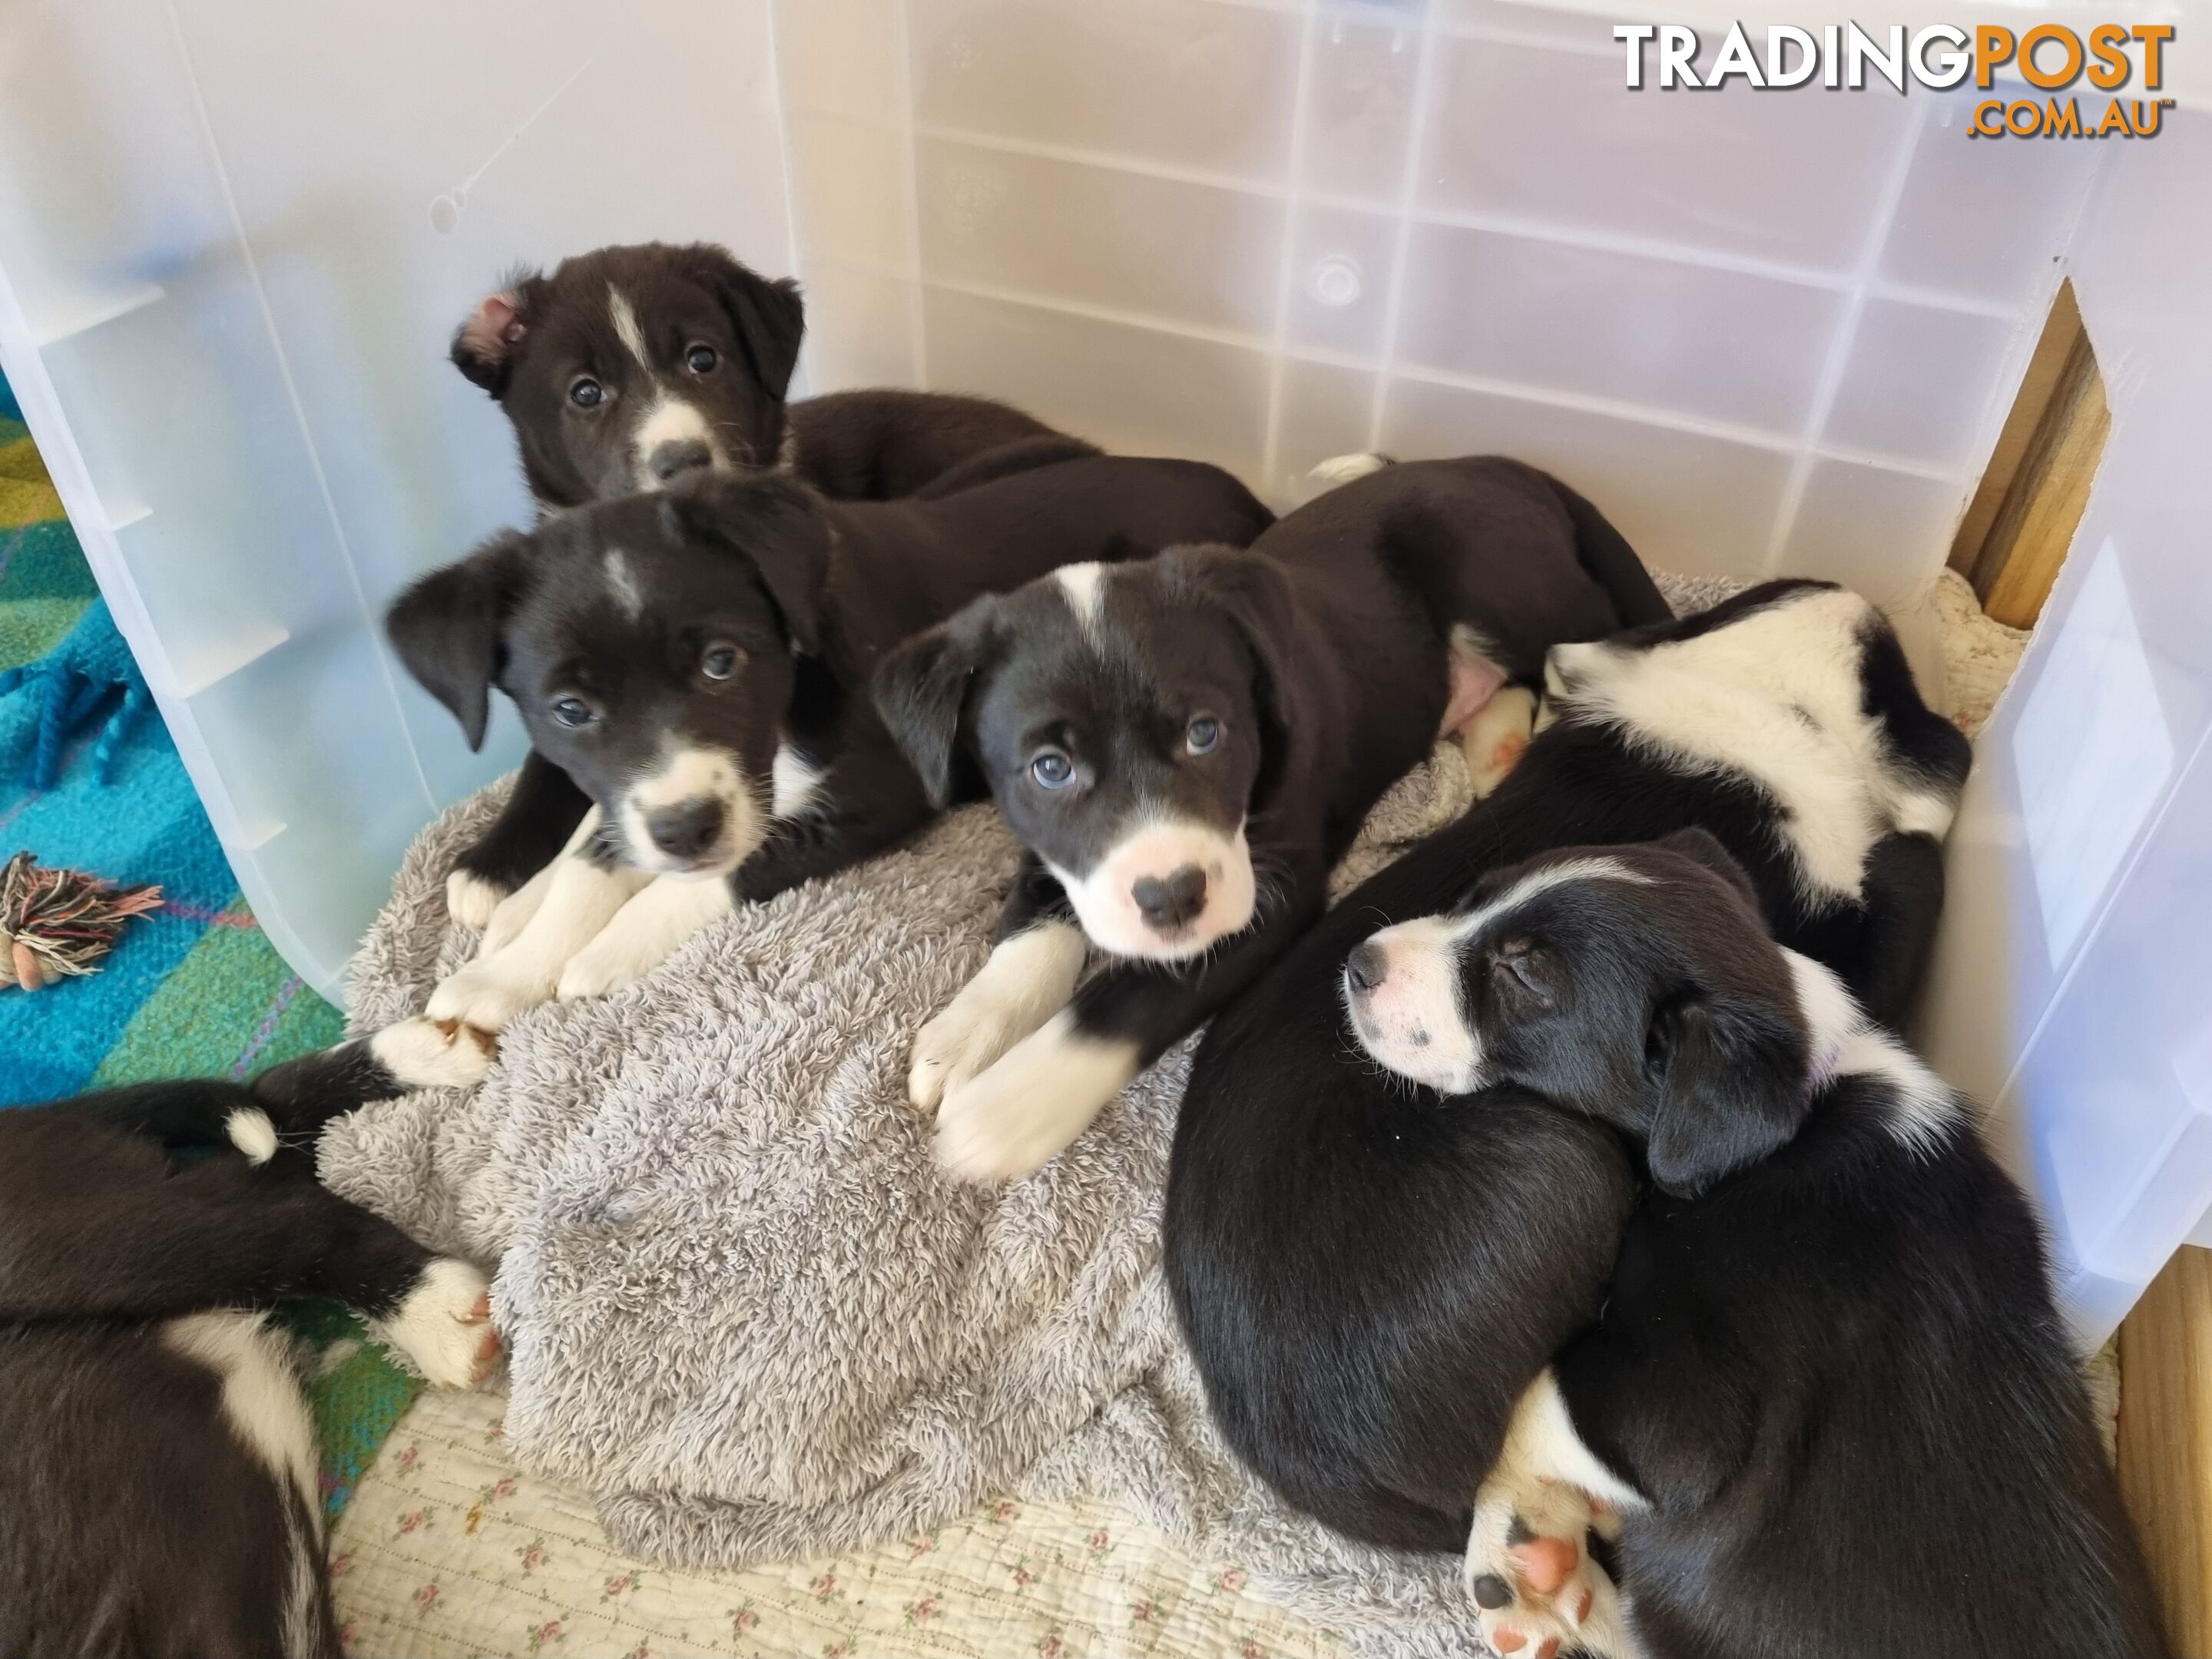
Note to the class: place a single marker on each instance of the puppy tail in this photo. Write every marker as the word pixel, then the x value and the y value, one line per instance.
pixel 1344 469
pixel 302 1095
pixel 184 1112
pixel 1612 562
pixel 284 1106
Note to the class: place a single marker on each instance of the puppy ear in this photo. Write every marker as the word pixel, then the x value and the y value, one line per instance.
pixel 921 689
pixel 769 318
pixel 1700 847
pixel 483 345
pixel 1733 1089
pixel 1252 592
pixel 771 521
pixel 447 628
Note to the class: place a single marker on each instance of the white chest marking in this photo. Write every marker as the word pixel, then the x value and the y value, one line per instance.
pixel 261 1398
pixel 794 783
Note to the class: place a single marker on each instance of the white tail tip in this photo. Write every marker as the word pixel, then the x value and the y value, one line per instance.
pixel 250 1130
pixel 1343 469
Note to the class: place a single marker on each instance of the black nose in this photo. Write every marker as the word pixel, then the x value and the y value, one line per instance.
pixel 1172 902
pixel 1365 967
pixel 687 829
pixel 679 455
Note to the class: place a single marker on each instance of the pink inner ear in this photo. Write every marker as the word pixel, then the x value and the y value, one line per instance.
pixel 493 326
pixel 1474 682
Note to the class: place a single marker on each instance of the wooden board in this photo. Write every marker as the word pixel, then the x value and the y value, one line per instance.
pixel 2166 1441
pixel 2060 330
pixel 2022 520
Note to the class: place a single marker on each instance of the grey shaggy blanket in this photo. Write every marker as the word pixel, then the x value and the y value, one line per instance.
pixel 745 1309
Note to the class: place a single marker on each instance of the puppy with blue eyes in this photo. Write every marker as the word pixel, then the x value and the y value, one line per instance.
pixel 1185 745
pixel 697 661
pixel 1827 1405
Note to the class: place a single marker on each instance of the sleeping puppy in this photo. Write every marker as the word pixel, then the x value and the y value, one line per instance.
pixel 627 367
pixel 698 662
pixel 1186 746
pixel 158 1490
pixel 1827 1404
pixel 1368 1276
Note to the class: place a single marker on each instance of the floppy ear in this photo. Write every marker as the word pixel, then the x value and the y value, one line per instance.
pixel 921 689
pixel 483 345
pixel 1252 592
pixel 447 628
pixel 769 318
pixel 774 523
pixel 1700 847
pixel 1734 1088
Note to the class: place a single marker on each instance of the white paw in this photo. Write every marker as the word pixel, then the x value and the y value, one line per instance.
pixel 1029 978
pixel 444 1327
pixel 515 910
pixel 492 990
pixel 1529 1569
pixel 1496 737
pixel 471 900
pixel 1343 469
pixel 427 1053
pixel 644 933
pixel 601 967
pixel 951 1049
pixel 1018 1113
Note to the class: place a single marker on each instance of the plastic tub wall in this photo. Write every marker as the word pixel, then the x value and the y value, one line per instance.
pixel 1767 333
pixel 2069 989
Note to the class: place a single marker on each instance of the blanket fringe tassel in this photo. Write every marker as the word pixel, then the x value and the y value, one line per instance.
pixel 54 923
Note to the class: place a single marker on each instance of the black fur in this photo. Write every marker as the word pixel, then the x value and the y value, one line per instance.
pixel 1368 1274
pixel 806 595
pixel 132 1520
pixel 1321 658
pixel 529 345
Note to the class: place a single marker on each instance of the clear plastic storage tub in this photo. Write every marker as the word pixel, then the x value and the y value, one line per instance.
pixel 1766 331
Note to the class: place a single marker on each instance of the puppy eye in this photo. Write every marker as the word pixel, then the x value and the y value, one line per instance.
pixel 586 393
pixel 1204 734
pixel 720 661
pixel 572 712
pixel 701 359
pixel 1053 769
pixel 1517 961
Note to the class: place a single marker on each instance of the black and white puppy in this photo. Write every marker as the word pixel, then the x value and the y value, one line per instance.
pixel 626 367
pixel 1827 1405
pixel 1369 1272
pixel 1187 745
pixel 158 1488
pixel 698 661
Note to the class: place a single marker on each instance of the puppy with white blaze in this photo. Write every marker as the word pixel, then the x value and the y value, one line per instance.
pixel 1186 745
pixel 697 660
pixel 1370 1263
pixel 626 368
pixel 1827 1405
pixel 158 1488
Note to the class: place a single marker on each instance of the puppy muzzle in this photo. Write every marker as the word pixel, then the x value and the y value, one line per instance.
pixel 694 815
pixel 1402 990
pixel 1167 892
